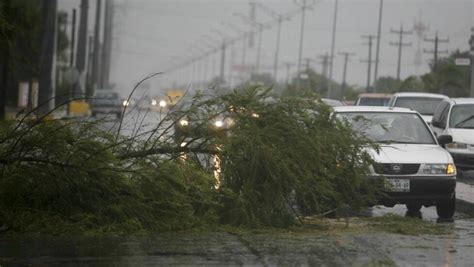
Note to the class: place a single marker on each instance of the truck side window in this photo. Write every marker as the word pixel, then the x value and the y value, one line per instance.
pixel 444 116
pixel 440 111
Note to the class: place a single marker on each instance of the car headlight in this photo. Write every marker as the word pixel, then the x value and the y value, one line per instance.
pixel 184 122
pixel 125 103
pixel 153 102
pixel 439 169
pixel 457 145
pixel 218 123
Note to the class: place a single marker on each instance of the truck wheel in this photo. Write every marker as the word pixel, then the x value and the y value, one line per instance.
pixel 413 207
pixel 446 209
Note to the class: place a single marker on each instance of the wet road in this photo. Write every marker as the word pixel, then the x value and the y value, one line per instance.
pixel 455 248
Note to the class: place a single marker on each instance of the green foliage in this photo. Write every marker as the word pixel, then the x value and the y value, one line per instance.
pixel 293 149
pixel 61 177
pixel 71 176
pixel 447 78
pixel 392 223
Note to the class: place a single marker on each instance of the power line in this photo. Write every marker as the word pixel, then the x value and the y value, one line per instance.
pixel 400 44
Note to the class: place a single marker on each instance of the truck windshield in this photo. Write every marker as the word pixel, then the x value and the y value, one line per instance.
pixel 424 105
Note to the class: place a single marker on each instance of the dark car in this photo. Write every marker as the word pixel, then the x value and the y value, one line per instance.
pixel 107 102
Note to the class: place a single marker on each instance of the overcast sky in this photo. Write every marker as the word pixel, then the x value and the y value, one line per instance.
pixel 151 35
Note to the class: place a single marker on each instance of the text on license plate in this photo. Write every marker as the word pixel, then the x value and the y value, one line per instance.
pixel 397 185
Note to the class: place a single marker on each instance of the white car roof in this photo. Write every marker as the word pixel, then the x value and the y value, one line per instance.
pixel 373 109
pixel 409 94
pixel 460 101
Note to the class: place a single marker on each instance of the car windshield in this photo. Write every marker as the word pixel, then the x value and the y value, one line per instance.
pixel 424 105
pixel 373 101
pixel 389 127
pixel 462 116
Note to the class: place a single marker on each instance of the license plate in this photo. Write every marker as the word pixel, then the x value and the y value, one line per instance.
pixel 397 185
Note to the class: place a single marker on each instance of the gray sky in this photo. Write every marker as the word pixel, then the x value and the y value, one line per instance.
pixel 149 33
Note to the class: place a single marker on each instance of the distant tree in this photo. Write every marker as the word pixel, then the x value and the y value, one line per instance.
pixel 411 84
pixel 387 84
pixel 448 78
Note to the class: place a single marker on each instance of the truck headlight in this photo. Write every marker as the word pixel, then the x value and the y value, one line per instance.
pixel 439 169
pixel 457 145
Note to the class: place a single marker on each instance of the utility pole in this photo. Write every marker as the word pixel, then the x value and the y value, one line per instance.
pixel 223 49
pixel 46 90
pixel 73 38
pixel 304 5
pixel 279 18
pixel 107 46
pixel 471 43
pixel 259 29
pixel 344 72
pixel 96 58
pixel 90 56
pixel 369 61
pixel 288 68
pixel 377 52
pixel 436 51
pixel 325 62
pixel 333 43
pixel 400 44
pixel 82 38
pixel 222 61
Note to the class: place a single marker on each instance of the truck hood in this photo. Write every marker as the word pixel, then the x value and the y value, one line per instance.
pixel 411 153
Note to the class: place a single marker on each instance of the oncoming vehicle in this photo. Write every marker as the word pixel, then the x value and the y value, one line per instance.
pixel 455 117
pixel 107 102
pixel 373 100
pixel 424 103
pixel 415 170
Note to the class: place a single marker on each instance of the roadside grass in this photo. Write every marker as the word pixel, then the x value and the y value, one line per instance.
pixel 390 223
